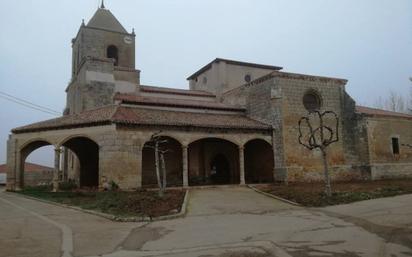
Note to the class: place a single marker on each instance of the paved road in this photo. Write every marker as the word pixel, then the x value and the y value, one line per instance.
pixel 221 222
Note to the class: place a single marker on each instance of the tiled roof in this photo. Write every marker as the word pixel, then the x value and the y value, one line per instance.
pixel 175 91
pixel 382 113
pixel 86 118
pixel 28 167
pixel 140 116
pixel 169 102
pixel 239 63
pixel 117 114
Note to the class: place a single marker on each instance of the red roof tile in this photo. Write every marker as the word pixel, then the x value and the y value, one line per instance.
pixel 28 167
pixel 96 117
pixel 140 116
pixel 117 114
pixel 169 102
pixel 382 113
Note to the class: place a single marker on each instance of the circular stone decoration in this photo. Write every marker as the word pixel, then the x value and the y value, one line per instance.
pixel 128 40
pixel 312 101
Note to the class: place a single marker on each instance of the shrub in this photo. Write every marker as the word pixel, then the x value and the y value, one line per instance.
pixel 68 185
pixel 40 188
pixel 113 185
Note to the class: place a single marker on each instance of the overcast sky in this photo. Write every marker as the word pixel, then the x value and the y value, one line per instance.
pixel 368 42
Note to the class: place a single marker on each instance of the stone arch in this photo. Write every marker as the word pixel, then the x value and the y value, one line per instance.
pixel 259 161
pixel 206 158
pixel 113 52
pixel 34 140
pixel 230 139
pixel 173 161
pixel 64 140
pixel 25 150
pixel 86 151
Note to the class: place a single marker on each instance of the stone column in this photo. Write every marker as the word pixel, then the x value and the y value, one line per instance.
pixel 65 170
pixel 56 169
pixel 139 166
pixel 242 165
pixel 185 166
pixel 19 172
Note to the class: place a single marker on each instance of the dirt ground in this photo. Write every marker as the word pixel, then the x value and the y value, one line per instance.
pixel 133 203
pixel 312 194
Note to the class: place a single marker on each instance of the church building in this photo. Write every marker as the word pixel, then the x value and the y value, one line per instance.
pixel 237 123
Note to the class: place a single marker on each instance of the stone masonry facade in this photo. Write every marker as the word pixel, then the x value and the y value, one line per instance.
pixel 237 124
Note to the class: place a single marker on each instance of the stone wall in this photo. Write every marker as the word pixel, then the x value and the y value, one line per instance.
pixel 36 178
pixel 94 42
pixel 277 99
pixel 384 163
pixel 302 163
pixel 222 77
pixel 264 103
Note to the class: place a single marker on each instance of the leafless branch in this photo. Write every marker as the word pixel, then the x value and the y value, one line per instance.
pixel 320 137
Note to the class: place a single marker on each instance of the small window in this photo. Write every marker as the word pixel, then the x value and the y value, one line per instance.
pixel 204 80
pixel 112 52
pixel 248 78
pixel 312 101
pixel 395 145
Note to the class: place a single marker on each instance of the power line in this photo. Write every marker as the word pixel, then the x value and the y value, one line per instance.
pixel 28 104
pixel 25 101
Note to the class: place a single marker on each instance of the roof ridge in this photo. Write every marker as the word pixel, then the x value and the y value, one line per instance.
pixel 383 110
pixel 234 62
pixel 105 19
pixel 182 90
pixel 164 101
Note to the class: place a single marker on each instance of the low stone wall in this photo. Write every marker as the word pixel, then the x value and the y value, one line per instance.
pixel 337 173
pixel 391 170
pixel 35 178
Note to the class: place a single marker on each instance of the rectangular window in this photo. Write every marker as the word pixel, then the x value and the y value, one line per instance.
pixel 395 145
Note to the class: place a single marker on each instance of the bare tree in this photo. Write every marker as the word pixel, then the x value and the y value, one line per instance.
pixel 394 102
pixel 158 144
pixel 315 134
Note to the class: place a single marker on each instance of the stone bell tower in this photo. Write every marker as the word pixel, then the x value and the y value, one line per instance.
pixel 103 63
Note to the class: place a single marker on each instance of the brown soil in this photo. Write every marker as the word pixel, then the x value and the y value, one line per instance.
pixel 312 194
pixel 121 203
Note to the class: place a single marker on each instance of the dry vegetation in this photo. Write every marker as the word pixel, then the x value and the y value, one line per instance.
pixel 312 194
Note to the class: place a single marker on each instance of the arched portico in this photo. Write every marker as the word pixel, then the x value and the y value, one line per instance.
pixel 173 162
pixel 87 152
pixel 259 162
pixel 213 161
pixel 24 151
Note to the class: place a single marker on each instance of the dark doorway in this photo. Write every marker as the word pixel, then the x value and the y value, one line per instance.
pixel 258 162
pixel 220 170
pixel 213 161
